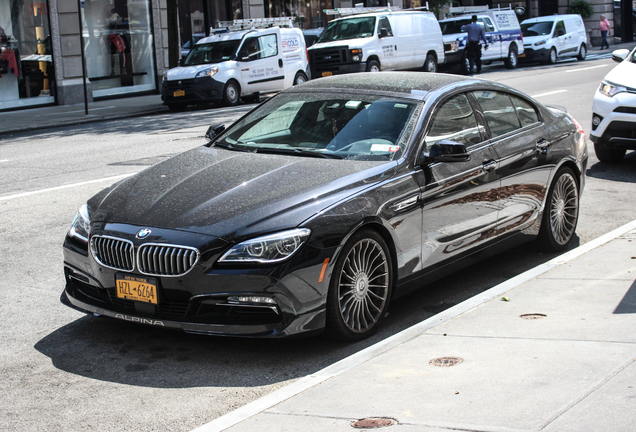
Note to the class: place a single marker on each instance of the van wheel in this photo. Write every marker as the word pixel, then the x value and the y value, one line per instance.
pixel 231 93
pixel 582 53
pixel 552 57
pixel 511 60
pixel 373 66
pixel 430 65
pixel 300 78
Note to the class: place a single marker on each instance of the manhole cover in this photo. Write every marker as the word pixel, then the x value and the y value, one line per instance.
pixel 446 361
pixel 533 316
pixel 373 422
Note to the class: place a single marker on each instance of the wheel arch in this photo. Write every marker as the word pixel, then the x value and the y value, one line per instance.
pixel 238 85
pixel 374 57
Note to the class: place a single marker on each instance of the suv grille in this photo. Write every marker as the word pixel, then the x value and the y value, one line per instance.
pixel 328 57
pixel 114 253
pixel 163 260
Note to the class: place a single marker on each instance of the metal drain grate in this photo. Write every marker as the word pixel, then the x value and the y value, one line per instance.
pixel 373 423
pixel 446 361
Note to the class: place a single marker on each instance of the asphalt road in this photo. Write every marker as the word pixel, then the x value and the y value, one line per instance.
pixel 64 371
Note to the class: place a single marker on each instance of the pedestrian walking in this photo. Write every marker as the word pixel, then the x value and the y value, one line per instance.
pixel 604 27
pixel 473 50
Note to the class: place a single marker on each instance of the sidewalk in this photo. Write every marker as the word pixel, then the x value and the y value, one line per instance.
pixel 553 349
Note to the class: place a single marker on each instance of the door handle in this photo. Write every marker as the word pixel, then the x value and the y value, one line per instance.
pixel 543 145
pixel 489 166
pixel 280 62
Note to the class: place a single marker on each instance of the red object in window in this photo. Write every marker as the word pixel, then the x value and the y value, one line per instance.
pixel 9 55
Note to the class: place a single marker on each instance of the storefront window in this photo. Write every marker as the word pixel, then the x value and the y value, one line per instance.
pixel 118 42
pixel 26 62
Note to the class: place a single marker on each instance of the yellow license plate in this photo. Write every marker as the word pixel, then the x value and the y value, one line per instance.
pixel 136 288
pixel 179 93
pixel 327 74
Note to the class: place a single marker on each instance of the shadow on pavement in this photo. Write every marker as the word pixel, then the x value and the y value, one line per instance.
pixel 624 171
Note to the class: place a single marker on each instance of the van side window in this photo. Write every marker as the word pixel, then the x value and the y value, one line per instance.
pixel 499 111
pixel 559 26
pixel 455 120
pixel 260 47
pixel 526 112
pixel 385 24
pixel 488 26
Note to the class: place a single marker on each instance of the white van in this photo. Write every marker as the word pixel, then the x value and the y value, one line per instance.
pixel 230 64
pixel 374 41
pixel 550 37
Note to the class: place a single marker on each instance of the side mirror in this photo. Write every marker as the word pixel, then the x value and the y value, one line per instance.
pixel 384 33
pixel 560 32
pixel 214 131
pixel 445 151
pixel 619 55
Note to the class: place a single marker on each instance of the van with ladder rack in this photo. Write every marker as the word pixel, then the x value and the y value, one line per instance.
pixel 239 60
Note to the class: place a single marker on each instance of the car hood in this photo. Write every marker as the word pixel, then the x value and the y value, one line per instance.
pixel 231 194
pixel 352 43
pixel 623 74
pixel 189 72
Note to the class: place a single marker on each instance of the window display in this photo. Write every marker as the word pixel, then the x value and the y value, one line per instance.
pixel 26 62
pixel 118 42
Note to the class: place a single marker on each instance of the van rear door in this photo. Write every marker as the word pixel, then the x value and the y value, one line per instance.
pixel 261 62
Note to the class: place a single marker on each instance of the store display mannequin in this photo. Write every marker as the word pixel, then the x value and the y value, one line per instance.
pixel 116 44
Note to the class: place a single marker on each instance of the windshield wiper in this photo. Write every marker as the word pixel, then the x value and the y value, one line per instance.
pixel 229 146
pixel 298 152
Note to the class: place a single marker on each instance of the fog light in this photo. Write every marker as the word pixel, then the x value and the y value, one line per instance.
pixel 596 120
pixel 251 300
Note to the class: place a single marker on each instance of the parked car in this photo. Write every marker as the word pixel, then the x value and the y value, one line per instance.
pixel 614 110
pixel 505 41
pixel 375 41
pixel 551 37
pixel 321 205
pixel 228 65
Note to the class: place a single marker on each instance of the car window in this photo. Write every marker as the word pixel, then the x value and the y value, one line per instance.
pixel 384 23
pixel 499 111
pixel 488 26
pixel 455 26
pixel 455 121
pixel 526 112
pixel 214 52
pixel 350 126
pixel 348 28
pixel 559 26
pixel 541 28
pixel 260 47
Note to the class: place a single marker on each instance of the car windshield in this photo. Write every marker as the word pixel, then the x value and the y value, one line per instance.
pixel 337 125
pixel 214 52
pixel 541 28
pixel 452 27
pixel 350 28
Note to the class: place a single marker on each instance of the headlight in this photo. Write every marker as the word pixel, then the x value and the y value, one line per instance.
pixel 540 42
pixel 268 249
pixel 609 89
pixel 165 77
pixel 207 72
pixel 81 226
pixel 356 55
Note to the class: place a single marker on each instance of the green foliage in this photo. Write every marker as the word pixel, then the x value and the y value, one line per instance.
pixel 582 8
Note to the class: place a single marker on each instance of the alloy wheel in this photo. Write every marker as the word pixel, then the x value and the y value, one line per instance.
pixel 564 209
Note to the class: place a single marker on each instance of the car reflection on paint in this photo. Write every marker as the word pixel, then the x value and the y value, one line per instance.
pixel 317 208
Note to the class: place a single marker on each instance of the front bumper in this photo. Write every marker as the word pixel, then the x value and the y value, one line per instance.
pixel 535 54
pixel 617 126
pixel 452 57
pixel 338 69
pixel 200 301
pixel 197 90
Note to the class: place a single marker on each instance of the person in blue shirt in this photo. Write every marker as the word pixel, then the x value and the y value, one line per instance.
pixel 473 49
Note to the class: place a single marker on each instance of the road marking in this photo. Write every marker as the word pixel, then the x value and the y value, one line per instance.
pixel 72 185
pixel 585 68
pixel 258 406
pixel 549 93
pixel 4 160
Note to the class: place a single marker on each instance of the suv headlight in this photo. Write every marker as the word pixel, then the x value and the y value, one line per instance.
pixel 609 89
pixel 268 249
pixel 81 226
pixel 207 72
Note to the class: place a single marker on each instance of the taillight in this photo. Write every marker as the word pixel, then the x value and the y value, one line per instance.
pixel 307 54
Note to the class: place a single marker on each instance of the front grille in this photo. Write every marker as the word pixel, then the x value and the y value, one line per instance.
pixel 626 110
pixel 169 310
pixel 180 84
pixel 328 57
pixel 163 260
pixel 114 253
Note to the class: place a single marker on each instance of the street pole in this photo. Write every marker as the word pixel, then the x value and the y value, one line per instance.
pixel 80 6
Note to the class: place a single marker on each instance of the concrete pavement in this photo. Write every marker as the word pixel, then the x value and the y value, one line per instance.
pixel 553 349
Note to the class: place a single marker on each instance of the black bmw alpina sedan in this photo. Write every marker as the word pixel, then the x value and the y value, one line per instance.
pixel 317 208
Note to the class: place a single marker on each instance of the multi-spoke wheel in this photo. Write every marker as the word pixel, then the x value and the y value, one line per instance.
pixel 360 287
pixel 561 212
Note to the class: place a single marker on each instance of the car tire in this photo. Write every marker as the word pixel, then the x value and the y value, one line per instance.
pixel 231 93
pixel 608 155
pixel 582 53
pixel 300 78
pixel 552 56
pixel 512 60
pixel 430 65
pixel 373 66
pixel 176 107
pixel 561 212
pixel 360 287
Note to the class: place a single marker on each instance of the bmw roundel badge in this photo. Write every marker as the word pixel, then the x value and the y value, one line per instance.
pixel 143 233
